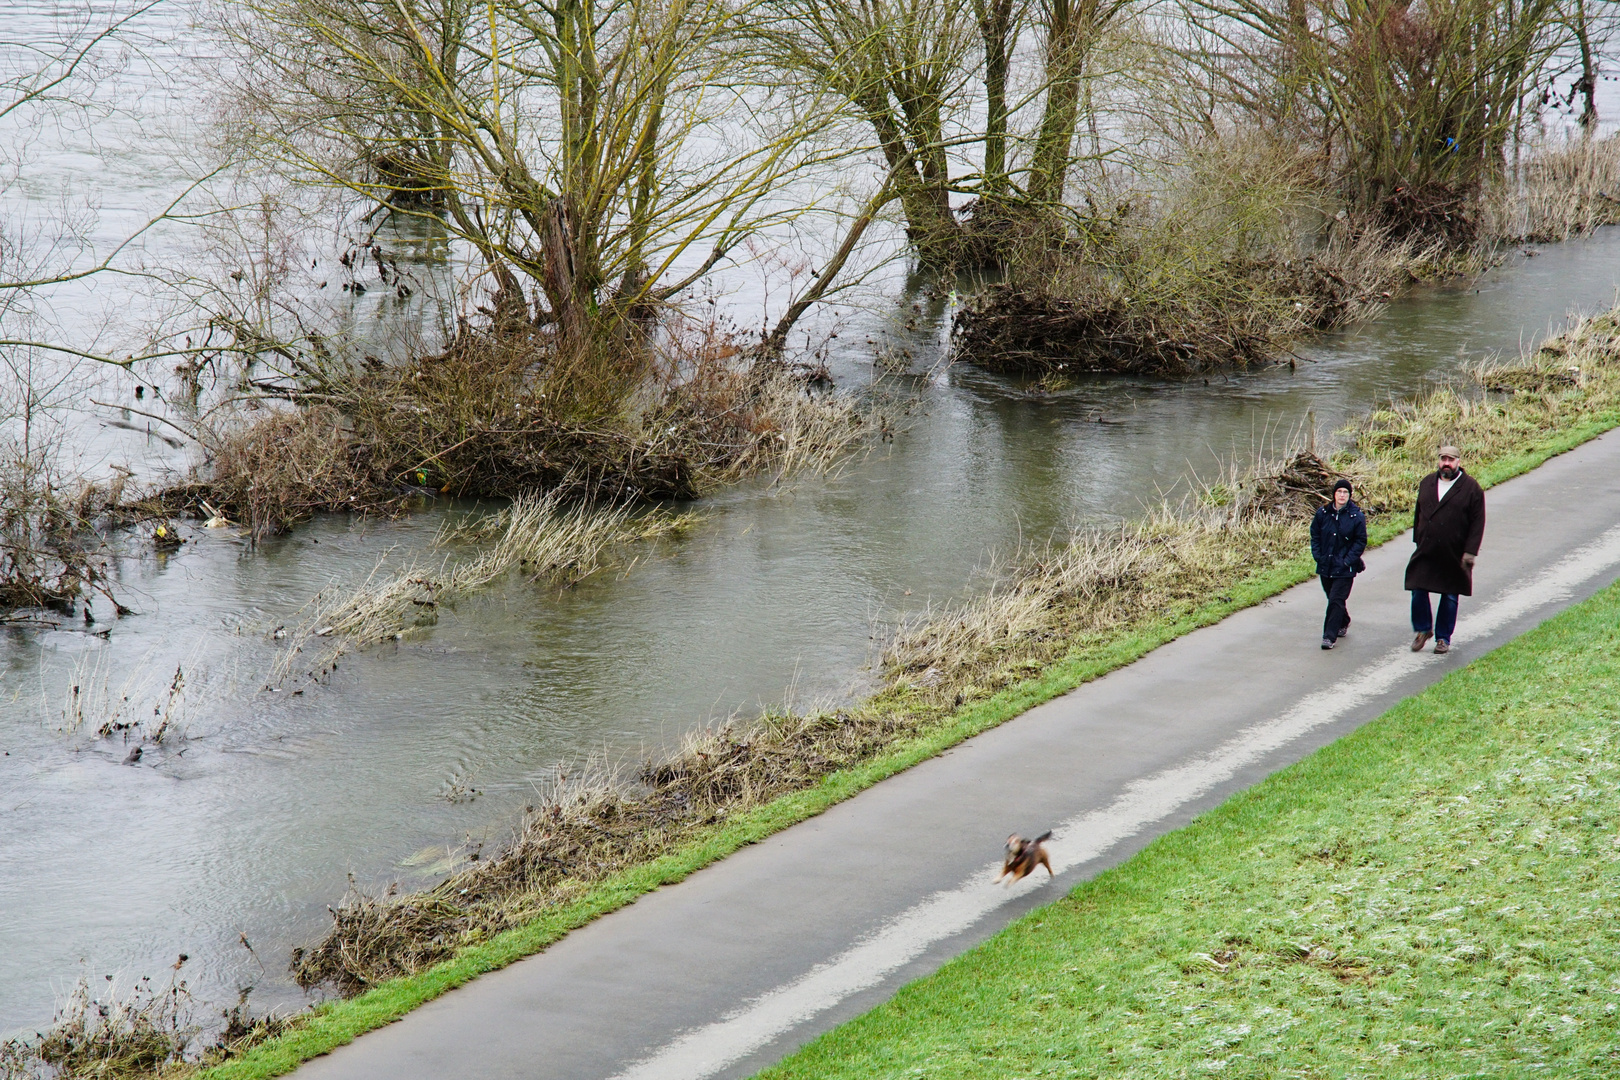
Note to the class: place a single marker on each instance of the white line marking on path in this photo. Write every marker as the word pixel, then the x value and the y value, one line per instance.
pixel 703 1051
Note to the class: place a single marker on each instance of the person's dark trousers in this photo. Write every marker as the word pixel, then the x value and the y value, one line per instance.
pixel 1442 622
pixel 1338 591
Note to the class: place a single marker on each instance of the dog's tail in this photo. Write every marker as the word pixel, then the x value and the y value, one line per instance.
pixel 1043 838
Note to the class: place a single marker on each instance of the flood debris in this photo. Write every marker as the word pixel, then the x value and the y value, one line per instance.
pixel 1295 489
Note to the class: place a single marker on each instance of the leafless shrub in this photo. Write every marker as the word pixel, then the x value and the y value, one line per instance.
pixel 92 1037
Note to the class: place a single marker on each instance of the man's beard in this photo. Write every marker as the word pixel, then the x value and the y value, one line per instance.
pixel 1449 472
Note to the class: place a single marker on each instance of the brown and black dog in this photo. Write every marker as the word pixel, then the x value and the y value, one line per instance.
pixel 1023 856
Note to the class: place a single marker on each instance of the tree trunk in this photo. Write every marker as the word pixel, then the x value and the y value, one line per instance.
pixel 995 29
pixel 931 226
pixel 1588 83
pixel 1070 30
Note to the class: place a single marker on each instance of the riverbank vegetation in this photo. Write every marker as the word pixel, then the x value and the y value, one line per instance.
pixel 1061 615
pixel 544 197
pixel 1419 898
pixel 1069 602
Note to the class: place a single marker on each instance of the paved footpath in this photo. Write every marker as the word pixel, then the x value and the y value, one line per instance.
pixel 733 968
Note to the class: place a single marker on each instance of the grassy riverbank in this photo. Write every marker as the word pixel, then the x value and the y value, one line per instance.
pixel 1063 620
pixel 1429 896
pixel 1063 617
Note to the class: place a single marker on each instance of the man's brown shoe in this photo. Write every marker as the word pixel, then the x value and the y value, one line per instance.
pixel 1420 641
pixel 1442 647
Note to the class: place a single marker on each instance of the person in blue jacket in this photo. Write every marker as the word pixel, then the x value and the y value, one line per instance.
pixel 1338 537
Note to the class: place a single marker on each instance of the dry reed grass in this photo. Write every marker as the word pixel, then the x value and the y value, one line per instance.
pixel 1562 191
pixel 116 1035
pixel 1063 600
pixel 144 1033
pixel 537 535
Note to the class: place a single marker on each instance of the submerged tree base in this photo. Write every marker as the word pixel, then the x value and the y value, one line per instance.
pixel 494 416
pixel 1061 315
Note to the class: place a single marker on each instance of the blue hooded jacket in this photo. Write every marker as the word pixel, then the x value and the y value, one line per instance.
pixel 1338 537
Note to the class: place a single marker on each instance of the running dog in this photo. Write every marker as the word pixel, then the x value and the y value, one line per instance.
pixel 1023 856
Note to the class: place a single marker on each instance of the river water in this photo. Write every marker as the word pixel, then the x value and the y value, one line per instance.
pixel 249 823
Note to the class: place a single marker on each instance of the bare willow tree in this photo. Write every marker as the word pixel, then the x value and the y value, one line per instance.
pixel 600 156
pixel 51 552
pixel 1591 24
pixel 1412 104
pixel 1073 29
pixel 937 81
pixel 901 67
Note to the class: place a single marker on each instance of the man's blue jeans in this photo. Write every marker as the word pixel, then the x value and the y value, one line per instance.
pixel 1442 622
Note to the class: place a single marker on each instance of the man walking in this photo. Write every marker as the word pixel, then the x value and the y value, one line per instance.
pixel 1338 537
pixel 1447 526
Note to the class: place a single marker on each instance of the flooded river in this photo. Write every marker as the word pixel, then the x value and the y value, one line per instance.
pixel 251 821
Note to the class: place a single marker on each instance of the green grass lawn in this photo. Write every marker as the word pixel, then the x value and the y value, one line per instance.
pixel 1436 895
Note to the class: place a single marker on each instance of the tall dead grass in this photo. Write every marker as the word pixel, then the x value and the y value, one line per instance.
pixel 144 1032
pixel 108 1036
pixel 1562 190
pixel 538 535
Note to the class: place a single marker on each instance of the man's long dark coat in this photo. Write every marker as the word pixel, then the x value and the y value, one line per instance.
pixel 1445 530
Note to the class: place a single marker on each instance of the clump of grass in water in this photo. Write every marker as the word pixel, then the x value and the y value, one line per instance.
pixel 121 1035
pixel 145 707
pixel 537 535
pixel 1070 602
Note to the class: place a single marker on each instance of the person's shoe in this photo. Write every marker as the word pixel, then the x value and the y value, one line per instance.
pixel 1442 647
pixel 1420 640
pixel 1328 643
pixel 1345 631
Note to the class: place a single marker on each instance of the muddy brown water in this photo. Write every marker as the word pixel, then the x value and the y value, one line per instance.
pixel 250 821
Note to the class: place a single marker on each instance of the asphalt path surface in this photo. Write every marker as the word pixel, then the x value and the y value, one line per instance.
pixel 730 970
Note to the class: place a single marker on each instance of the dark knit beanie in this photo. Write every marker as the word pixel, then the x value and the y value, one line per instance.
pixel 1343 483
